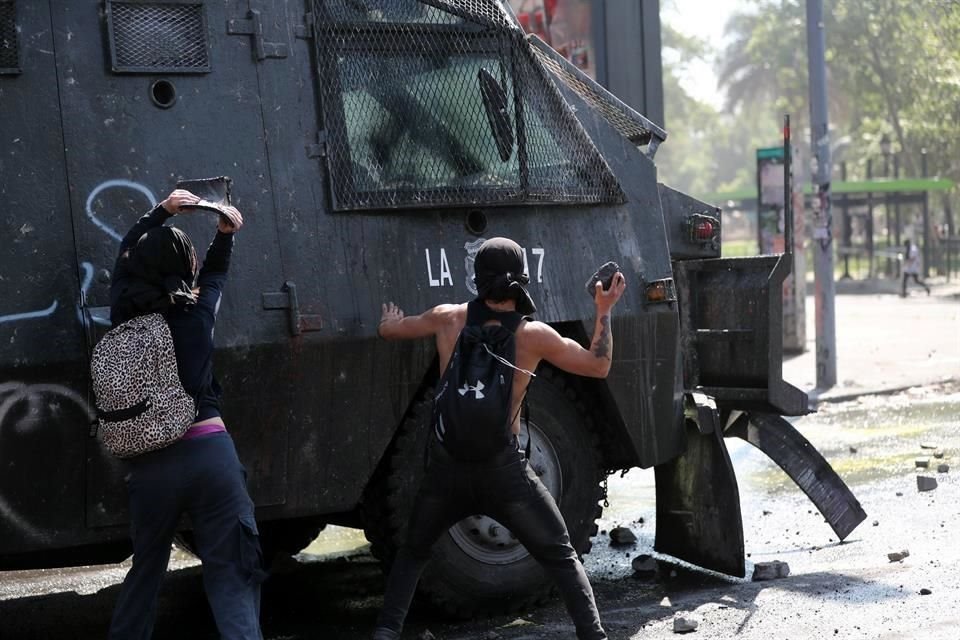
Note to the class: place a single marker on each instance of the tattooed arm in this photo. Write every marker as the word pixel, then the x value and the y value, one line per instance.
pixel 567 354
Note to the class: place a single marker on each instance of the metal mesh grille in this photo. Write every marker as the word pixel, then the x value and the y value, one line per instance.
pixel 386 12
pixel 485 12
pixel 158 37
pixel 9 51
pixel 633 130
pixel 406 119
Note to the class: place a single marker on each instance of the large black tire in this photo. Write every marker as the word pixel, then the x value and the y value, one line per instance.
pixel 477 566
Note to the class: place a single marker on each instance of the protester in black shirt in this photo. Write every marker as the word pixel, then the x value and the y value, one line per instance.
pixel 503 486
pixel 200 474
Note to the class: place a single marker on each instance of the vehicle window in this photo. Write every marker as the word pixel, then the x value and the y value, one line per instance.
pixel 419 123
pixel 421 111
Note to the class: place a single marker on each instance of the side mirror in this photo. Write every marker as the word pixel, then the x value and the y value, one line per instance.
pixel 498 113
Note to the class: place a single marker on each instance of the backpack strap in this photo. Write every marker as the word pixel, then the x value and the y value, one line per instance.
pixel 478 313
pixel 526 419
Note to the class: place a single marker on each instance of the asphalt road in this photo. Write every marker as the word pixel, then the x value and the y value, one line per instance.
pixel 848 590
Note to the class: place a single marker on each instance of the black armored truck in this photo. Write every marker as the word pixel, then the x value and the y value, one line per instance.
pixel 372 146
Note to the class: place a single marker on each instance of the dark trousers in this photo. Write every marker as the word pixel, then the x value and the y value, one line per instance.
pixel 508 491
pixel 203 478
pixel 916 278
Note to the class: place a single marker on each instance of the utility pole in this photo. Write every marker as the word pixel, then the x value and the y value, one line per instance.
pixel 822 218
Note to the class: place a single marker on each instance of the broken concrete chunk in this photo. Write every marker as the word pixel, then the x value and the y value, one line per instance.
pixel 938 454
pixel 922 463
pixel 770 570
pixel 622 536
pixel 925 592
pixel 929 446
pixel 943 468
pixel 897 556
pixel 926 483
pixel 684 624
pixel 644 566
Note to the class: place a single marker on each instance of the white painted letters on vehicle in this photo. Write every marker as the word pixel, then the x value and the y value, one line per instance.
pixel 445 276
pixel 539 252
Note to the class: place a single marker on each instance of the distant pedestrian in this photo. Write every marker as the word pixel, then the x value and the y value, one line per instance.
pixel 911 267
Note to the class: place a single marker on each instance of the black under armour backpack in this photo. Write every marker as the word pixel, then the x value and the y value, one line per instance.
pixel 471 412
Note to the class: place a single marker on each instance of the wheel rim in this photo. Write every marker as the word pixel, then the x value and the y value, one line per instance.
pixel 486 540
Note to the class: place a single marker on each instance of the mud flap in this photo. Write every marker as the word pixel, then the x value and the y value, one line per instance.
pixel 698 502
pixel 793 453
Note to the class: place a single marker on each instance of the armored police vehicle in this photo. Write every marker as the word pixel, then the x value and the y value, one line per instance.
pixel 372 146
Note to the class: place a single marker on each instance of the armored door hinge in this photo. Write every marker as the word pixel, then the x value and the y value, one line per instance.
pixel 286 298
pixel 318 149
pixel 304 31
pixel 252 26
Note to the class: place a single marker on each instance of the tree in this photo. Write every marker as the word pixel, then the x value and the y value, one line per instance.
pixel 893 67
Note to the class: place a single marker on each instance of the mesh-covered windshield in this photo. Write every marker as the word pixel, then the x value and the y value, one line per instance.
pixel 431 102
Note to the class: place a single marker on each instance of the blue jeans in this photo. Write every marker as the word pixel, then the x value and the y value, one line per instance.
pixel 203 478
pixel 508 490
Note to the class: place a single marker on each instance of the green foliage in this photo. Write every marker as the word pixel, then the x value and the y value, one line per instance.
pixel 893 69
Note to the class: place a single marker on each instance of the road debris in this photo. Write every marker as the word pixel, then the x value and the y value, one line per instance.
pixel 644 566
pixel 938 454
pixel 922 463
pixel 925 592
pixel 621 537
pixel 770 570
pixel 943 468
pixel 926 483
pixel 684 624
pixel 898 556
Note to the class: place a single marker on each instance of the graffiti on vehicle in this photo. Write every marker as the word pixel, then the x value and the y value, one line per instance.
pixel 112 184
pixel 87 267
pixel 40 313
pixel 29 415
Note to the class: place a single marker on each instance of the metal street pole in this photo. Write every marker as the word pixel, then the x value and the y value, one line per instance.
pixel 822 219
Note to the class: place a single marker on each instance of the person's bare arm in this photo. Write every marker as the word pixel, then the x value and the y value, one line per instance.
pixel 570 356
pixel 394 325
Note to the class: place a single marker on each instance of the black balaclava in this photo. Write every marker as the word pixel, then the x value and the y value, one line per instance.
pixel 498 274
pixel 162 266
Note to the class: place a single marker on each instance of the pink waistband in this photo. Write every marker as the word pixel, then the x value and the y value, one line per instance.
pixel 202 430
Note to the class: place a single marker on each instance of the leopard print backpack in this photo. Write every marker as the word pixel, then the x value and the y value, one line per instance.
pixel 140 401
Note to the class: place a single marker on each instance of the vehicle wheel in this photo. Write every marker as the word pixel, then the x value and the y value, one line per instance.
pixel 478 567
